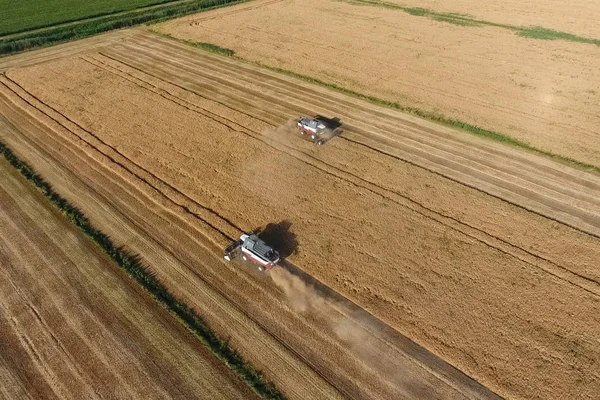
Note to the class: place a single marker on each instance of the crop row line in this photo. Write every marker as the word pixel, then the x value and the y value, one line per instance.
pixel 133 266
pixel 417 207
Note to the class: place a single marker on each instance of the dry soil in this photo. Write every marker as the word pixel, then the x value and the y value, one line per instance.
pixel 72 325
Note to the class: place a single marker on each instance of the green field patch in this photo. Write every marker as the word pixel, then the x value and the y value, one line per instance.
pixel 418 11
pixel 23 15
pixel 451 19
pixel 78 30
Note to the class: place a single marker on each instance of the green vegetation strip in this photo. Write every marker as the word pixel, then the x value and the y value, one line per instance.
pixel 86 28
pixel 435 117
pixel 25 15
pixel 533 32
pixel 132 265
pixel 538 32
pixel 213 48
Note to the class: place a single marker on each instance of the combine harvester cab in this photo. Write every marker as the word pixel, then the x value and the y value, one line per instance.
pixel 251 248
pixel 319 129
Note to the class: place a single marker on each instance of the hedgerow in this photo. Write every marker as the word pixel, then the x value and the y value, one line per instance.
pixel 133 266
pixel 85 28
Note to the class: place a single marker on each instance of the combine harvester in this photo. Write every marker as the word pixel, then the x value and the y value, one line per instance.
pixel 319 129
pixel 251 247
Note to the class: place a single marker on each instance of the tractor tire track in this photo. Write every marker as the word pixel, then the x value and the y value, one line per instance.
pixel 589 284
pixel 133 215
pixel 323 339
pixel 322 96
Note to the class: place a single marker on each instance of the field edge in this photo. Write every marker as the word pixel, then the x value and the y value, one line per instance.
pixel 134 268
pixel 86 27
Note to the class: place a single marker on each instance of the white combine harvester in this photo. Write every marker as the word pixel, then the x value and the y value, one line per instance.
pixel 251 248
pixel 319 129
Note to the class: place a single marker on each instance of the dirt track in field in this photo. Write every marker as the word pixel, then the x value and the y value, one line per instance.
pixel 172 151
pixel 545 93
pixel 73 326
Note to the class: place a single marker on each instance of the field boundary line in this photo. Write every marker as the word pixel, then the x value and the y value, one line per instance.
pixel 135 269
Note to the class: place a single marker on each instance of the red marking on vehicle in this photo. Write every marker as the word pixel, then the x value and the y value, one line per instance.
pixel 258 260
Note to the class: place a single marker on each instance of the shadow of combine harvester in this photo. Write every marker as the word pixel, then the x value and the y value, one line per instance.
pixel 280 237
pixel 332 123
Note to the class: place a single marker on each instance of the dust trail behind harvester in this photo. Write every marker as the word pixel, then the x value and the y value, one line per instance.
pixel 357 333
pixel 403 368
pixel 300 296
pixel 347 325
pixel 286 129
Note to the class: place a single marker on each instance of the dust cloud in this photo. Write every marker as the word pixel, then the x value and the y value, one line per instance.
pixel 300 296
pixel 285 129
pixel 303 298
pixel 349 327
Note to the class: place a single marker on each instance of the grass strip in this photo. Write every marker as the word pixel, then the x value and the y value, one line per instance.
pixel 55 35
pixel 533 32
pixel 453 18
pixel 428 115
pixel 538 32
pixel 132 265
pixel 20 17
pixel 213 48
pixel 210 47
